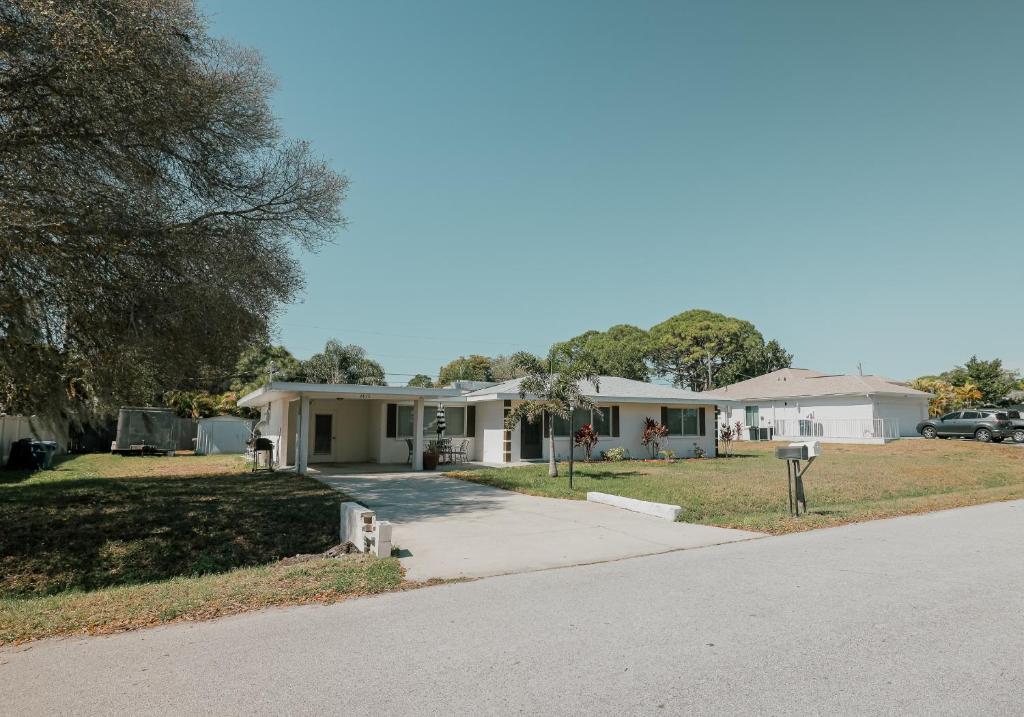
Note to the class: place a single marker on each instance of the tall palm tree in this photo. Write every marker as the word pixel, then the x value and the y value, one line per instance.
pixel 555 395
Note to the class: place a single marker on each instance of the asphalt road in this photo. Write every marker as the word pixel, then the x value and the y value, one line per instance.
pixel 918 615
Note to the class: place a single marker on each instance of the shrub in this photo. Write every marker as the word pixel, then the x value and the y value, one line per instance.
pixel 698 452
pixel 615 454
pixel 668 455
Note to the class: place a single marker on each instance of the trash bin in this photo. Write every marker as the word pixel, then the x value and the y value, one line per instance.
pixel 48 450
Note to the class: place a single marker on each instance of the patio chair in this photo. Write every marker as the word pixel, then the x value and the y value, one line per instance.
pixel 461 454
pixel 444 448
pixel 412 447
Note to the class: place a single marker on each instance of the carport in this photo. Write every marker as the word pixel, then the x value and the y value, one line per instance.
pixel 343 423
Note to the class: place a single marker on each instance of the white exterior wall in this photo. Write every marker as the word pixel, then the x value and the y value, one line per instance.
pixel 349 424
pixel 375 428
pixel 490 428
pixel 273 417
pixel 908 411
pixel 631 430
pixel 490 418
pixel 393 450
pixel 794 409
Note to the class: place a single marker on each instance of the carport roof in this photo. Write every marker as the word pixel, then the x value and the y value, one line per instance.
pixel 288 389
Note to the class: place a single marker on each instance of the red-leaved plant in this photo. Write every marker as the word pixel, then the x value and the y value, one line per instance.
pixel 587 438
pixel 728 434
pixel 654 434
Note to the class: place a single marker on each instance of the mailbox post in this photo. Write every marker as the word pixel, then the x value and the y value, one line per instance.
pixel 793 454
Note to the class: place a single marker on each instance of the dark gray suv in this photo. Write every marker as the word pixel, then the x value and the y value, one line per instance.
pixel 981 424
pixel 1016 424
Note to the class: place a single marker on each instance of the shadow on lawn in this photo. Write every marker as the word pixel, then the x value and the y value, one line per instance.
pixel 96 532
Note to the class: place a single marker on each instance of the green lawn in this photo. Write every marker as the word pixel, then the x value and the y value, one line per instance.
pixel 847 483
pixel 106 542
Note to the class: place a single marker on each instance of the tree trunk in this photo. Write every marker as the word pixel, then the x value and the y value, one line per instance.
pixel 571 444
pixel 552 463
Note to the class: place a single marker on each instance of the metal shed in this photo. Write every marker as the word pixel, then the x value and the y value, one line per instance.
pixel 223 434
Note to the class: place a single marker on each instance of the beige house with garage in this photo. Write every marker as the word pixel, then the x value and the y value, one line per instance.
pixel 345 423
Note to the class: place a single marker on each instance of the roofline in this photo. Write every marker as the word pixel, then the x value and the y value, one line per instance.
pixel 867 394
pixel 600 398
pixel 346 389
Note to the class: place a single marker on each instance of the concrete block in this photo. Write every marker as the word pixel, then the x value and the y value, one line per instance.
pixel 353 517
pixel 659 510
pixel 382 539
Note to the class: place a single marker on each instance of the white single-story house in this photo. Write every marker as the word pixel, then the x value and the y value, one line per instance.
pixel 345 423
pixel 794 403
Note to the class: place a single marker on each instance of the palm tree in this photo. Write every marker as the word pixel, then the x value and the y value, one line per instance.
pixel 547 393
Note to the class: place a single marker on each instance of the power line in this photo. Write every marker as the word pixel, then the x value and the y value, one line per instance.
pixel 402 336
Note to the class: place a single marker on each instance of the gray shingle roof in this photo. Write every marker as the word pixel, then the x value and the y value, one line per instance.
pixel 797 382
pixel 609 388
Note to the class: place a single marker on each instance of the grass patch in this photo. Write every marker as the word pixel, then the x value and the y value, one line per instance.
pixel 107 543
pixel 199 598
pixel 847 483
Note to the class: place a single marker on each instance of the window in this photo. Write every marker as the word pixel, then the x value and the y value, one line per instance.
pixel 690 422
pixel 601 420
pixel 405 422
pixel 674 421
pixel 951 416
pixel 454 421
pixel 971 415
pixel 682 421
pixel 753 416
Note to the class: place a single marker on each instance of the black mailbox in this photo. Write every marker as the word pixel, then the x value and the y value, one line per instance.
pixel 792 453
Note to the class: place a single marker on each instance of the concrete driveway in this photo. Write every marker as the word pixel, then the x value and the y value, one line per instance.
pixel 448 528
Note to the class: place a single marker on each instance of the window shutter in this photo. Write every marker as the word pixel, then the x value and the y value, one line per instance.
pixel 700 414
pixel 664 415
pixel 547 425
pixel 471 421
pixel 392 427
pixel 615 421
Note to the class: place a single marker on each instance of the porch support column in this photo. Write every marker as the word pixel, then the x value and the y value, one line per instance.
pixel 302 449
pixel 417 435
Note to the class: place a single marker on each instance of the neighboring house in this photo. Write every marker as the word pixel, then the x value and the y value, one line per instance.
pixel 794 403
pixel 329 423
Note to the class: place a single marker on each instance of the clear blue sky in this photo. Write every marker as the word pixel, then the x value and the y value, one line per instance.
pixel 843 175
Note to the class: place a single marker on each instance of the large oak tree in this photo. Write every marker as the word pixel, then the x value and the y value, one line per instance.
pixel 150 210
pixel 702 350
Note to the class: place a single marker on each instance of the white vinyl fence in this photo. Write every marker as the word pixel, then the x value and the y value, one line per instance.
pixel 844 428
pixel 13 428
